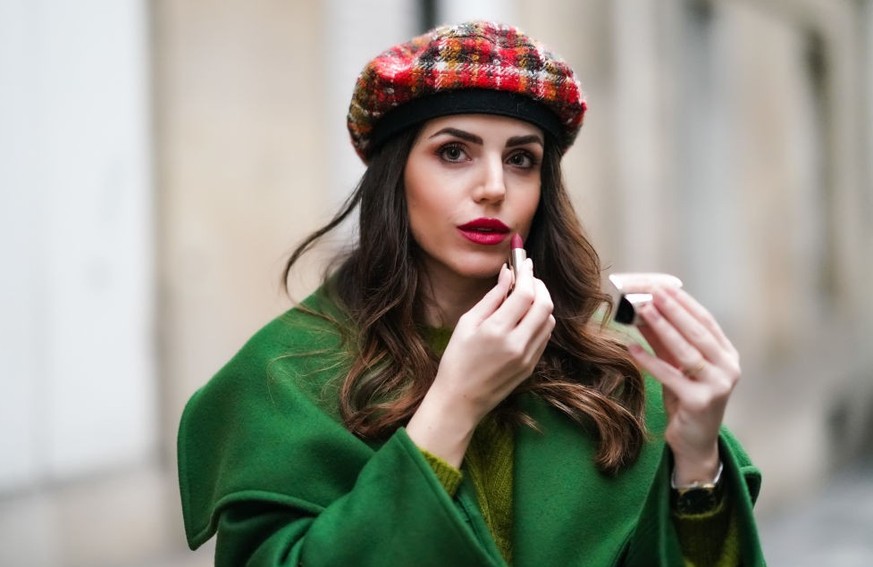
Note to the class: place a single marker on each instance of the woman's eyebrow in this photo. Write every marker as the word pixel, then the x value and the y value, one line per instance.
pixel 522 140
pixel 474 139
pixel 462 134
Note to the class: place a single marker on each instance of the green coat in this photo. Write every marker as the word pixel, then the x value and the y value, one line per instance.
pixel 265 462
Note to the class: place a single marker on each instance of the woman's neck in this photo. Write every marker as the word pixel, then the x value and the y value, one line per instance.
pixel 448 296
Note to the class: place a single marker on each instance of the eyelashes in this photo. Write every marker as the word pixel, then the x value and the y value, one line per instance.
pixel 523 159
pixel 455 152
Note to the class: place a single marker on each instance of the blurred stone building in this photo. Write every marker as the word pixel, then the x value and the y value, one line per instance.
pixel 158 160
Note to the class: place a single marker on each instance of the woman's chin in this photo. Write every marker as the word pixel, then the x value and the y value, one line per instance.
pixel 480 272
pixel 476 269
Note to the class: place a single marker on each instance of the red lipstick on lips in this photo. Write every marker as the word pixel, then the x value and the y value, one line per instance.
pixel 485 231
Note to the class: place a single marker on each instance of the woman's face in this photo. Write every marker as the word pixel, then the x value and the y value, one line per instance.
pixel 472 181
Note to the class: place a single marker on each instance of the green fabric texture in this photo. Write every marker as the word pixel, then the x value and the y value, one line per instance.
pixel 488 463
pixel 710 539
pixel 449 476
pixel 266 463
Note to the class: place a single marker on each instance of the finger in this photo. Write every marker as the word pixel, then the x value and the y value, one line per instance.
pixel 702 315
pixel 538 313
pixel 689 326
pixel 493 299
pixel 511 311
pixel 545 333
pixel 661 370
pixel 536 346
pixel 542 339
pixel 685 355
pixel 657 345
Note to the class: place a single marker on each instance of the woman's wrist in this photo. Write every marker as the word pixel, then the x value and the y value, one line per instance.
pixel 442 429
pixel 716 479
pixel 699 470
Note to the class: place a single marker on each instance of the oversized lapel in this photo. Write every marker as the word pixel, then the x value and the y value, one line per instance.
pixel 564 511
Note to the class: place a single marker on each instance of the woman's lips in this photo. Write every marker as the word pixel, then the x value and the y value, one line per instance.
pixel 489 232
pixel 486 238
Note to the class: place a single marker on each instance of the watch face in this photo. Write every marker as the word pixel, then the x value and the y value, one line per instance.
pixel 696 500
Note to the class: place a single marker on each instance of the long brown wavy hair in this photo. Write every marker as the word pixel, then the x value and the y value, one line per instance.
pixel 583 372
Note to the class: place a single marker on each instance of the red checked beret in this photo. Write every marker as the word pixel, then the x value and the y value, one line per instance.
pixel 475 67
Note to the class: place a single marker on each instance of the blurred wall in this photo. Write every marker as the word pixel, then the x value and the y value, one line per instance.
pixel 78 391
pixel 728 141
pixel 237 130
pixel 77 223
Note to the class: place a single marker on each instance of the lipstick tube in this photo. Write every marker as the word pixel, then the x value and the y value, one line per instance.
pixel 632 290
pixel 517 254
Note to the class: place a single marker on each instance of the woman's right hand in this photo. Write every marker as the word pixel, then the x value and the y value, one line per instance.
pixel 494 347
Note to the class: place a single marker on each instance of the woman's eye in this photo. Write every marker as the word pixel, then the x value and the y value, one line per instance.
pixel 452 152
pixel 522 159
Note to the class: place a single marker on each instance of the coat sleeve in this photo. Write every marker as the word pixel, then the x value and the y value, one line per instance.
pixel 655 535
pixel 282 482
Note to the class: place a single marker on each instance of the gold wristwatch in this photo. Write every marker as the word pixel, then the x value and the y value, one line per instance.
pixel 697 497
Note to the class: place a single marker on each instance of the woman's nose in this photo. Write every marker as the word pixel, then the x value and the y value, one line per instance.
pixel 492 185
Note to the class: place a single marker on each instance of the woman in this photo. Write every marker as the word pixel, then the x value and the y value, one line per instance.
pixel 430 406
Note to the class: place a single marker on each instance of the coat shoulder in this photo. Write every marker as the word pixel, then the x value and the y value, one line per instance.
pixel 277 391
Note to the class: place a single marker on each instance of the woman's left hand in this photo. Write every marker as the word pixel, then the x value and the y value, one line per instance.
pixel 698 368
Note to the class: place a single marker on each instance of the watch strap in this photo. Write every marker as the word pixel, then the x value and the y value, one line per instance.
pixel 697 484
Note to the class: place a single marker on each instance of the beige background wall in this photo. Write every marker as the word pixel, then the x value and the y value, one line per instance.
pixel 238 106
pixel 726 143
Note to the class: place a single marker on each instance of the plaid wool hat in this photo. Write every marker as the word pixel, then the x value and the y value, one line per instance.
pixel 475 67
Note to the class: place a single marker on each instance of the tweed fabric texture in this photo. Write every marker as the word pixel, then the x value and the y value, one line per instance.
pixel 475 55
